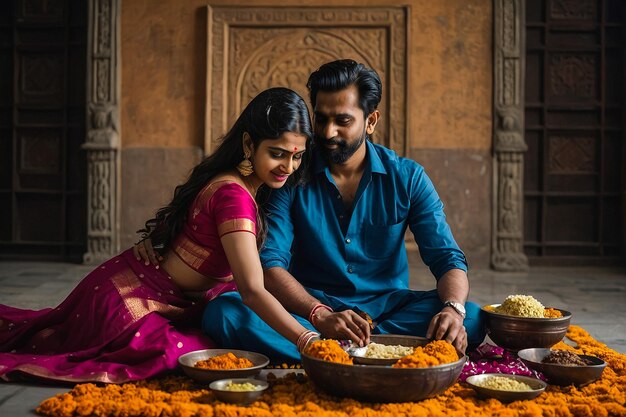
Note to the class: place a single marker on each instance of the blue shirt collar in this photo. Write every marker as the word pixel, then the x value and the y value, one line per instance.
pixel 376 164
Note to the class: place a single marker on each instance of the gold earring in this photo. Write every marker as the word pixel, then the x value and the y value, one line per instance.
pixel 245 166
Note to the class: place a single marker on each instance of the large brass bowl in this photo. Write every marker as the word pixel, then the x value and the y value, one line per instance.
pixel 515 333
pixel 375 383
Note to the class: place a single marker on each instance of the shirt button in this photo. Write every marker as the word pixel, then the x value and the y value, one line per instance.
pixel 348 241
pixel 338 196
pixel 341 216
pixel 350 269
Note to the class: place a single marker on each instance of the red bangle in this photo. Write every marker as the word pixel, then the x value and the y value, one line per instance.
pixel 312 316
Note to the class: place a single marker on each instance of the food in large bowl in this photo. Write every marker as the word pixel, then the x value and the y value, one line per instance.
pixel 516 332
pixel 561 367
pixel 377 383
pixel 199 365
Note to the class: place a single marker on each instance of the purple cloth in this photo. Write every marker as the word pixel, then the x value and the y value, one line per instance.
pixel 125 321
pixel 487 359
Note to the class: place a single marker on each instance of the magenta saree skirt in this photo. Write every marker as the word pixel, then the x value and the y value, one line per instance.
pixel 124 321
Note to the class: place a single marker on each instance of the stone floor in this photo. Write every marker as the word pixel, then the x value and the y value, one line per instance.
pixel 596 297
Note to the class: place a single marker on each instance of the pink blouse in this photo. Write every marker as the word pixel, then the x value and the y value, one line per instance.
pixel 221 207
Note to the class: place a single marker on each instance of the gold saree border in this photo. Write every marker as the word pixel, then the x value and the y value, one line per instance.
pixel 236 225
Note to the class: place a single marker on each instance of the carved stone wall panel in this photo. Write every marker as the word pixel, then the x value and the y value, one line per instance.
pixel 507 252
pixel 251 49
pixel 103 131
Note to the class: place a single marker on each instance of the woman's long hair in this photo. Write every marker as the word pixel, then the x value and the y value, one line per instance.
pixel 269 115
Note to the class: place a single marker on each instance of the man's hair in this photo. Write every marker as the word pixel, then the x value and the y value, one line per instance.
pixel 339 75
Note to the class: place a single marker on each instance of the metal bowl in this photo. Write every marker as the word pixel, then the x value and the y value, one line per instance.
pixel 376 383
pixel 189 360
pixel 386 339
pixel 537 386
pixel 515 333
pixel 238 397
pixel 563 374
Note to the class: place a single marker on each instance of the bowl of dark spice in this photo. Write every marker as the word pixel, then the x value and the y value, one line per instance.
pixel 563 367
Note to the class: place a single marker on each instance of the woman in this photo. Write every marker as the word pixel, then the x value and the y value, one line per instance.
pixel 128 321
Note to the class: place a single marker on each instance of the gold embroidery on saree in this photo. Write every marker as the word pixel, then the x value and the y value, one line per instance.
pixel 126 282
pixel 192 254
pixel 236 225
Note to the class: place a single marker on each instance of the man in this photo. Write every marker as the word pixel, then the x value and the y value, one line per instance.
pixel 335 246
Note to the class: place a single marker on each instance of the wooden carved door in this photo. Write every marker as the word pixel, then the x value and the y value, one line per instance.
pixel 574 169
pixel 42 126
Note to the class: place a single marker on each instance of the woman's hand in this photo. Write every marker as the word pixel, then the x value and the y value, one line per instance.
pixel 143 250
pixel 345 324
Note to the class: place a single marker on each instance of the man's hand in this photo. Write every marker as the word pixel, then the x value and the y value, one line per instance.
pixel 143 250
pixel 344 325
pixel 448 325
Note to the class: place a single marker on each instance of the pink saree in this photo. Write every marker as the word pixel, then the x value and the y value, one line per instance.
pixel 125 321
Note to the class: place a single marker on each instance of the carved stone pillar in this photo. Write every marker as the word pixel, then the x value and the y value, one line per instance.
pixel 509 146
pixel 103 131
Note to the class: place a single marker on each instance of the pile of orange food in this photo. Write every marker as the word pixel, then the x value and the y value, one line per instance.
pixel 434 353
pixel 328 350
pixel 552 313
pixel 225 361
pixel 298 397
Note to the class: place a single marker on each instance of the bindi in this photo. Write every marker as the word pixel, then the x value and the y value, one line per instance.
pixel 295 149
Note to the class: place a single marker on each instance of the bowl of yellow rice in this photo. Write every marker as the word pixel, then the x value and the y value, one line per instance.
pixel 522 322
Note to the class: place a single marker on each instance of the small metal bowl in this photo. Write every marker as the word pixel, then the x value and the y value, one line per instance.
pixel 238 397
pixel 563 374
pixel 537 386
pixel 515 333
pixel 188 361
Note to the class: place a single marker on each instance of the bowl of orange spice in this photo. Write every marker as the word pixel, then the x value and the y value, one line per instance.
pixel 429 370
pixel 208 365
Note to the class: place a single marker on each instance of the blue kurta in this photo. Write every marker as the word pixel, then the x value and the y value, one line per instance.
pixel 359 257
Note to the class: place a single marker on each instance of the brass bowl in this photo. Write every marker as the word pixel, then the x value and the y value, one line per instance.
pixel 515 333
pixel 376 383
pixel 238 397
pixel 563 374
pixel 188 360
pixel 537 387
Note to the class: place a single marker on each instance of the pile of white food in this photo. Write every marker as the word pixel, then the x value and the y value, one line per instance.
pixel 380 351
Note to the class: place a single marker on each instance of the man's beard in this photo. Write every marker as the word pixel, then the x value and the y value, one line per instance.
pixel 342 152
